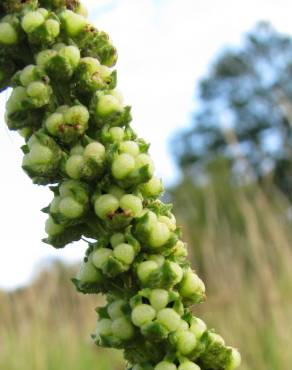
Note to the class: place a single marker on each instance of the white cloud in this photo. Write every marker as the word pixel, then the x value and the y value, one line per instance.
pixel 164 47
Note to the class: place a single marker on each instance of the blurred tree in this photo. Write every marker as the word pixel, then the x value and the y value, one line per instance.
pixel 245 114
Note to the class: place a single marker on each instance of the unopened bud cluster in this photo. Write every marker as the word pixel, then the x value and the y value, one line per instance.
pixel 78 139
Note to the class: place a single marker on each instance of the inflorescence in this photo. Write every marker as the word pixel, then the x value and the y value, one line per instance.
pixel 78 139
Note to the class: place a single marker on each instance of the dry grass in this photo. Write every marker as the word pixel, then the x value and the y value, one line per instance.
pixel 246 258
pixel 47 327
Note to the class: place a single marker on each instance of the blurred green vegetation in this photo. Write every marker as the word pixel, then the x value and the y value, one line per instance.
pixel 47 326
pixel 244 111
pixel 239 240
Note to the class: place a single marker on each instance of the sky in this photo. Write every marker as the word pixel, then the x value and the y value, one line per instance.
pixel 164 47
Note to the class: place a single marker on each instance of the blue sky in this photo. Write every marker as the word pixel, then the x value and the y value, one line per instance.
pixel 164 47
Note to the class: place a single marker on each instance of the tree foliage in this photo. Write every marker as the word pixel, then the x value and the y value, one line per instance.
pixel 244 114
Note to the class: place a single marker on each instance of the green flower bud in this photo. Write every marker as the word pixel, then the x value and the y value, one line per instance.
pixel 117 134
pixel 88 273
pixel 159 298
pixel 104 71
pixel 183 325
pixel 100 256
pixel 36 89
pixel 152 188
pixel 74 165
pixel 43 12
pixel 43 57
pixel 235 359
pixel 72 54
pixel 54 206
pixel 77 149
pixel 142 314
pixel 122 165
pixel 192 287
pixel 144 160
pixel 116 191
pixel 177 271
pixel 216 339
pixel 107 105
pixel 117 239
pixel 92 76
pixel 125 253
pixel 31 21
pixel 68 123
pixel 32 140
pixel 73 187
pixel 188 365
pixel 25 132
pixel 152 218
pixel 94 151
pixel 145 225
pixel 52 28
pixel 198 327
pixel 42 161
pixel 115 309
pixel 62 66
pixel 92 64
pixel 180 250
pixel 73 23
pixel 186 342
pixel 27 75
pixel 159 235
pixel 14 103
pixel 169 319
pixel 103 327
pixel 165 365
pixel 54 122
pixel 129 147
pixel 158 258
pixel 105 206
pixel 145 269
pixel 117 94
pixel 100 47
pixel 53 229
pixel 170 223
pixel 77 116
pixel 40 154
pixel 70 208
pixel 122 328
pixel 131 205
pixel 8 35
pixel 39 93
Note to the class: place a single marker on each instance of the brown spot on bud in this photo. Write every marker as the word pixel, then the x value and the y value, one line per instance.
pixel 46 80
pixel 111 215
pixel 128 213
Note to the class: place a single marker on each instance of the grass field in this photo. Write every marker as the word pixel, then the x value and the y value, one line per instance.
pixel 242 244
pixel 47 327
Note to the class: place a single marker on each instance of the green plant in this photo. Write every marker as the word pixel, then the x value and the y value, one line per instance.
pixel 78 139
